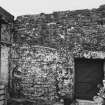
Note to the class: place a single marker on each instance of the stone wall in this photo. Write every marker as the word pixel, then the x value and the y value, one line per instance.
pixel 39 71
pixel 67 34
pixel 5 42
pixel 4 64
pixel 6 26
pixel 79 30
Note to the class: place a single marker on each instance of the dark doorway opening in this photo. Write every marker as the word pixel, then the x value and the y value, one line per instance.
pixel 88 74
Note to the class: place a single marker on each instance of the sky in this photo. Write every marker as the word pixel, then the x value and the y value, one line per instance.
pixel 26 7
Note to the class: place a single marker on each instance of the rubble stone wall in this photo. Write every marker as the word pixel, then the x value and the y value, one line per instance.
pixel 39 71
pixel 79 30
pixel 72 34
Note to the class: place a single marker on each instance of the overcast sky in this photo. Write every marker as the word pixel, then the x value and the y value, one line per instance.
pixel 22 7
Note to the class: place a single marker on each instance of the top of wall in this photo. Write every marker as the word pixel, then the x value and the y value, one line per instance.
pixel 68 13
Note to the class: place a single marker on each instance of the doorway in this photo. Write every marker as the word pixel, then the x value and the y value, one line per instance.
pixel 88 74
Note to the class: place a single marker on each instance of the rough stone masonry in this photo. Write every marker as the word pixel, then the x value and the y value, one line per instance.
pixel 45 46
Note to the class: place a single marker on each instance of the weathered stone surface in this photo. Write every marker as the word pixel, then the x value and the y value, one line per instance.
pixel 43 70
pixel 4 64
pixel 6 26
pixel 6 34
pixel 83 27
pixel 79 33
